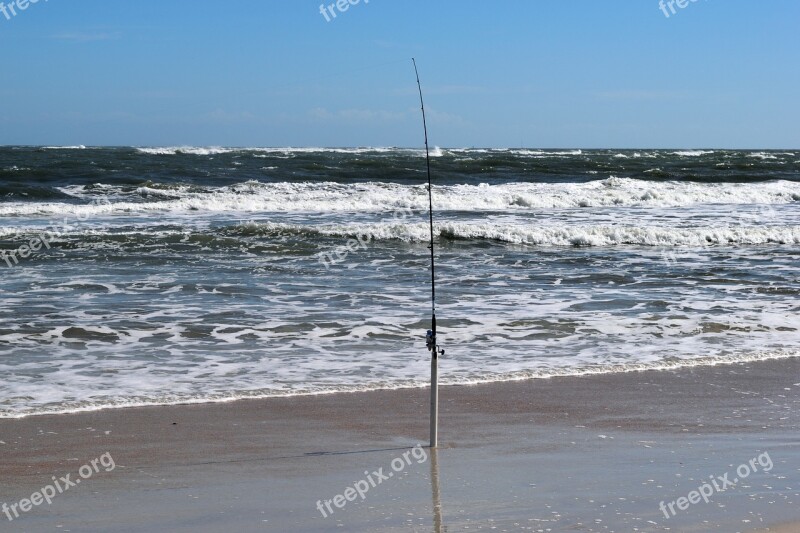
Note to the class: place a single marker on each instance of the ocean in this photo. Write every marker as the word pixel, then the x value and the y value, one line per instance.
pixel 150 276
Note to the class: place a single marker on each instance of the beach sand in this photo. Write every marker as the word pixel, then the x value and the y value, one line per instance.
pixel 581 454
pixel 786 528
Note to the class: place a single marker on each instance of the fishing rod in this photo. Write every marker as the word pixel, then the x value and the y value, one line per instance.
pixel 430 338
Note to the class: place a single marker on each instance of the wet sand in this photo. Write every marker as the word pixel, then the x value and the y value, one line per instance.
pixel 586 454
pixel 786 528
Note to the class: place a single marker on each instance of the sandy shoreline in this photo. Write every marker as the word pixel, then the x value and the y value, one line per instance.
pixel 592 453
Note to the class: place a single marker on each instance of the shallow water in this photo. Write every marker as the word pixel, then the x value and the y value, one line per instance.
pixel 197 274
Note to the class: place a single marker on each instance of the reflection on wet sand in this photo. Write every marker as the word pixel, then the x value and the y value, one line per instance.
pixel 438 523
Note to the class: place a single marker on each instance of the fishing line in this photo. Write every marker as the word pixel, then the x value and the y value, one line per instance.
pixel 430 339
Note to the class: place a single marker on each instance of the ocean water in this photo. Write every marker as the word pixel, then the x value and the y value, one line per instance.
pixel 175 275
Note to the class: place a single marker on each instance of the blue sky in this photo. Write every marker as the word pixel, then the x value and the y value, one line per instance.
pixel 560 73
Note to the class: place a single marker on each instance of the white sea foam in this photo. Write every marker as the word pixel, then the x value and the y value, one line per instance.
pixel 693 153
pixel 78 147
pixel 534 233
pixel 598 235
pixel 214 150
pixel 132 391
pixel 763 156
pixel 378 197
pixel 549 234
pixel 175 346
pixel 435 151
pixel 537 153
pixel 189 150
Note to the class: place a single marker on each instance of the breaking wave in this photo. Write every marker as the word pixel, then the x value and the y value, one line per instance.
pixel 331 197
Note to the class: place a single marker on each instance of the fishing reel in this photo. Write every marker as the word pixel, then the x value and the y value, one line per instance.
pixel 430 343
